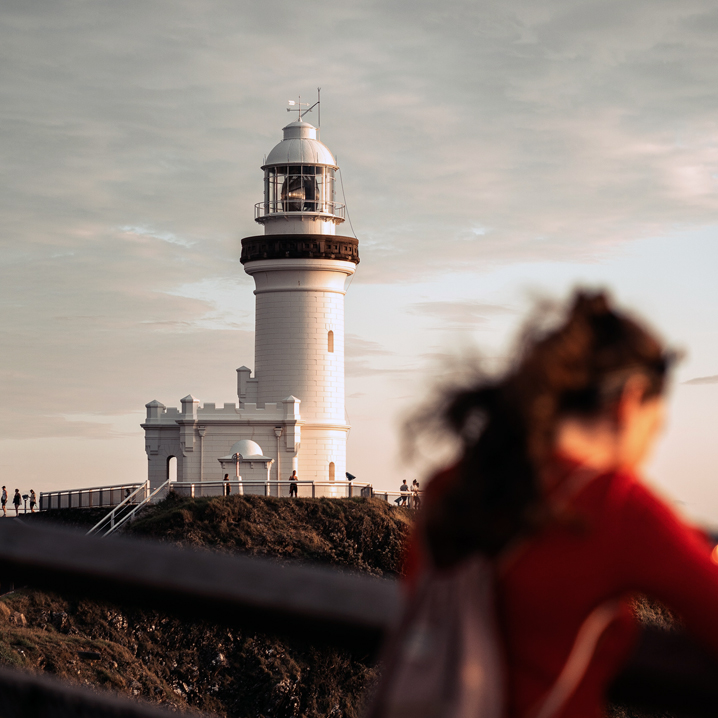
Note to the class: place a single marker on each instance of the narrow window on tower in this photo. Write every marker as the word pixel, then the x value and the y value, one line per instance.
pixel 330 341
pixel 331 471
pixel 172 468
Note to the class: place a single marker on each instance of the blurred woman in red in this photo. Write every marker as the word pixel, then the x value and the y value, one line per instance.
pixel 548 484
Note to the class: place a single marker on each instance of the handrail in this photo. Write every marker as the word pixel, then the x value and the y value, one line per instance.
pixel 88 497
pixel 339 489
pixel 282 488
pixel 92 488
pixel 273 482
pixel 111 516
pixel 277 207
pixel 128 516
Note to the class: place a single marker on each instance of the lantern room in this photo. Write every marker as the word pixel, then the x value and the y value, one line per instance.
pixel 299 185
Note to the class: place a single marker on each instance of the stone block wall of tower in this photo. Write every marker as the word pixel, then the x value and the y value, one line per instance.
pixel 323 451
pixel 299 350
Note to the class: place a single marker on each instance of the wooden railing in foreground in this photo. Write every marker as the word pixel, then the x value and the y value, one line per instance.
pixel 317 604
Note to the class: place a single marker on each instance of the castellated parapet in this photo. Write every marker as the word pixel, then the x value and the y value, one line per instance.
pixel 200 436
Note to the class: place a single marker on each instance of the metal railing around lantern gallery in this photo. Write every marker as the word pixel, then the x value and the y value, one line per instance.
pixel 294 206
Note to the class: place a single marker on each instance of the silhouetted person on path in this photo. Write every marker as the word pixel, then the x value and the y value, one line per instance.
pixel 33 501
pixel 405 491
pixel 415 498
pixel 4 501
pixel 293 487
pixel 17 500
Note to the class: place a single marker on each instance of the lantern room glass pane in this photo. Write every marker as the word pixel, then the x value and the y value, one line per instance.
pixel 329 188
pixel 299 188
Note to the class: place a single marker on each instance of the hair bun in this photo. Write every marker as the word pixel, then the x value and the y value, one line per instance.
pixel 591 304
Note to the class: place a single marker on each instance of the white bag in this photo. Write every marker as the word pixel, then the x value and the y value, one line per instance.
pixel 445 658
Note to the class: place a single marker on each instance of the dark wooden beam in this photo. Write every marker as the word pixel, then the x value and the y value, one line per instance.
pixel 315 603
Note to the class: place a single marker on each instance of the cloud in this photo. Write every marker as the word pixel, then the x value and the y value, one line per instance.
pixel 356 351
pixel 164 236
pixel 133 137
pixel 355 347
pixel 466 314
pixel 39 426
pixel 703 380
pixel 438 358
pixel 354 368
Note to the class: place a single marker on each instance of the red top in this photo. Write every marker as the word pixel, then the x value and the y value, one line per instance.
pixel 631 541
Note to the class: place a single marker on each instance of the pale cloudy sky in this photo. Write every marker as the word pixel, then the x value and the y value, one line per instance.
pixel 491 152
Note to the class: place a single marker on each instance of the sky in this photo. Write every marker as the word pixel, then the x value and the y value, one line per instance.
pixel 493 154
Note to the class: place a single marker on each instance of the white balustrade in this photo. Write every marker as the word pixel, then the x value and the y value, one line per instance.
pixel 111 496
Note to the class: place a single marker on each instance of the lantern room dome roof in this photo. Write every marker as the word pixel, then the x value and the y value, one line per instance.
pixel 300 146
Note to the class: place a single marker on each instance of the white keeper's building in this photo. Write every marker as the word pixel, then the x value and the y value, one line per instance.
pixel 290 412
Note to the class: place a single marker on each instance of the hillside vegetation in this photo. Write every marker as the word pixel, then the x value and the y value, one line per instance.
pixel 200 665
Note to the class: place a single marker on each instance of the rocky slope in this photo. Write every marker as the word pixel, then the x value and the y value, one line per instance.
pixel 199 665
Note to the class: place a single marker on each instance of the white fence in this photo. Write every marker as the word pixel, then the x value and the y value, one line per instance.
pixel 304 489
pixel 400 498
pixel 111 496
pixel 94 497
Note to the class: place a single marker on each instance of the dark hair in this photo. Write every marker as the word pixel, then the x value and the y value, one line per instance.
pixel 507 426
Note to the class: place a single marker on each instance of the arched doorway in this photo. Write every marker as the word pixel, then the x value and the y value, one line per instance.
pixel 331 471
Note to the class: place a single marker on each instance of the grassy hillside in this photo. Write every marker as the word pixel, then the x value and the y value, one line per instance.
pixel 199 665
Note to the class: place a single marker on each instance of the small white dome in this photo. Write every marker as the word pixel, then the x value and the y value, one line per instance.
pixel 246 449
pixel 300 145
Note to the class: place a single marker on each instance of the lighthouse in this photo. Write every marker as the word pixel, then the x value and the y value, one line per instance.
pixel 301 266
pixel 290 414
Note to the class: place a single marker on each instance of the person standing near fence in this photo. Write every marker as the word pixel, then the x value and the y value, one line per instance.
pixel 293 487
pixel 4 501
pixel 415 498
pixel 17 500
pixel 33 501
pixel 403 499
pixel 227 485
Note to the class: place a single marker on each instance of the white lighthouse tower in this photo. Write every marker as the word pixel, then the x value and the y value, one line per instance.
pixel 290 414
pixel 300 267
